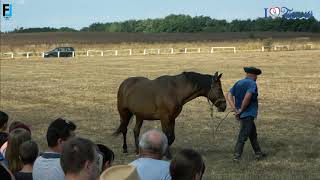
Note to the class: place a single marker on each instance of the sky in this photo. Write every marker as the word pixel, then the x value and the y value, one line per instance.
pixel 79 13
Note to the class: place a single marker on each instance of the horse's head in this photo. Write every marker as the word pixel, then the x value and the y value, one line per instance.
pixel 215 94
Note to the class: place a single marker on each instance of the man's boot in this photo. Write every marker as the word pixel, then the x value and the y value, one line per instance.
pixel 260 155
pixel 238 151
pixel 256 147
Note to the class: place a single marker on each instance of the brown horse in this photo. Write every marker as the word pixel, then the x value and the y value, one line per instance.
pixel 163 99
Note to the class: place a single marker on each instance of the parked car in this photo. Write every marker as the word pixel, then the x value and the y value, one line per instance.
pixel 60 52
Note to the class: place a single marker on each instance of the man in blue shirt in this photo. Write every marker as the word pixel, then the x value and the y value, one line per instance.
pixel 243 99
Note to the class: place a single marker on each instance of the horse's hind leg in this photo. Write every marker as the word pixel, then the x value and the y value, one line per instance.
pixel 125 116
pixel 136 132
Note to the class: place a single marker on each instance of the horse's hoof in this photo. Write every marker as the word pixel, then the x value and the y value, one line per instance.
pixel 125 151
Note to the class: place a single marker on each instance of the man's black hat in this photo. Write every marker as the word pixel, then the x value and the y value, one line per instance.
pixel 252 70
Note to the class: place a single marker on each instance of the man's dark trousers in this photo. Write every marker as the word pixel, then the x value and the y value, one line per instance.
pixel 247 129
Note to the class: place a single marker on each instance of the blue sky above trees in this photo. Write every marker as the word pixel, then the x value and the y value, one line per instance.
pixel 78 13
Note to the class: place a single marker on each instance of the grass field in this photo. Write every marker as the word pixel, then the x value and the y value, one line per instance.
pixel 84 90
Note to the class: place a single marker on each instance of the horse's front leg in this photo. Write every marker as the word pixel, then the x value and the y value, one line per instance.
pixel 168 129
pixel 136 132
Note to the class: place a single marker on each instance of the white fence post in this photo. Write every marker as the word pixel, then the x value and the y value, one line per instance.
pixel 43 54
pixel 130 52
pixel 171 50
pixel 144 51
pixel 234 48
pixel 101 53
pixel 28 55
pixel 58 54
pixel 309 44
pixel 87 52
pixel 185 50
pixel 199 50
pixel 116 52
pixel 262 49
pixel 73 53
pixel 9 53
pixel 12 55
pixel 158 51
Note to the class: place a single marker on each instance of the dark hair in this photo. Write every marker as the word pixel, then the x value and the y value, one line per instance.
pixel 76 151
pixel 186 164
pixel 107 153
pixel 18 124
pixel 15 139
pixel 3 118
pixel 59 128
pixel 28 152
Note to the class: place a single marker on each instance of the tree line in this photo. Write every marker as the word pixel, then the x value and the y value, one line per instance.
pixel 185 23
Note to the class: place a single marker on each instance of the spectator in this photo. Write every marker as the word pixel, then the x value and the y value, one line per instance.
pixel 16 138
pixel 120 172
pixel 5 174
pixel 14 125
pixel 18 124
pixel 3 127
pixel 28 153
pixel 47 166
pixel 187 165
pixel 108 156
pixel 152 147
pixel 79 160
pixel 2 159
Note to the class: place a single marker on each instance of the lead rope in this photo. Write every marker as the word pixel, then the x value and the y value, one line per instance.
pixel 215 130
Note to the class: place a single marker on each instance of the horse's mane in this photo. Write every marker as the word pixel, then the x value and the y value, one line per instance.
pixel 202 81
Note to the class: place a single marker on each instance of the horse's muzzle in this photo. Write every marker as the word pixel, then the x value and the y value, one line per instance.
pixel 222 106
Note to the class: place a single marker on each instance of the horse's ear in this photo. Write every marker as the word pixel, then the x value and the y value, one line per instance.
pixel 219 77
pixel 215 74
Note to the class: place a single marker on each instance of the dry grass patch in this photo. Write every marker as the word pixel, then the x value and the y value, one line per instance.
pixel 84 90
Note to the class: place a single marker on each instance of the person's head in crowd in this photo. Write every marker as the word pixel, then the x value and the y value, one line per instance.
pixel 120 172
pixel 18 124
pixel 16 138
pixel 14 125
pixel 107 154
pixel 28 153
pixel 3 121
pixel 59 131
pixel 5 174
pixel 153 144
pixel 3 127
pixel 79 159
pixel 187 165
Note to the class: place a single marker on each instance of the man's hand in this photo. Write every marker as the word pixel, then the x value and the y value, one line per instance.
pixel 237 113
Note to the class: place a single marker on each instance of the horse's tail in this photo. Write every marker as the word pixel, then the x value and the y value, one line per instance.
pixel 121 128
pixel 124 112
